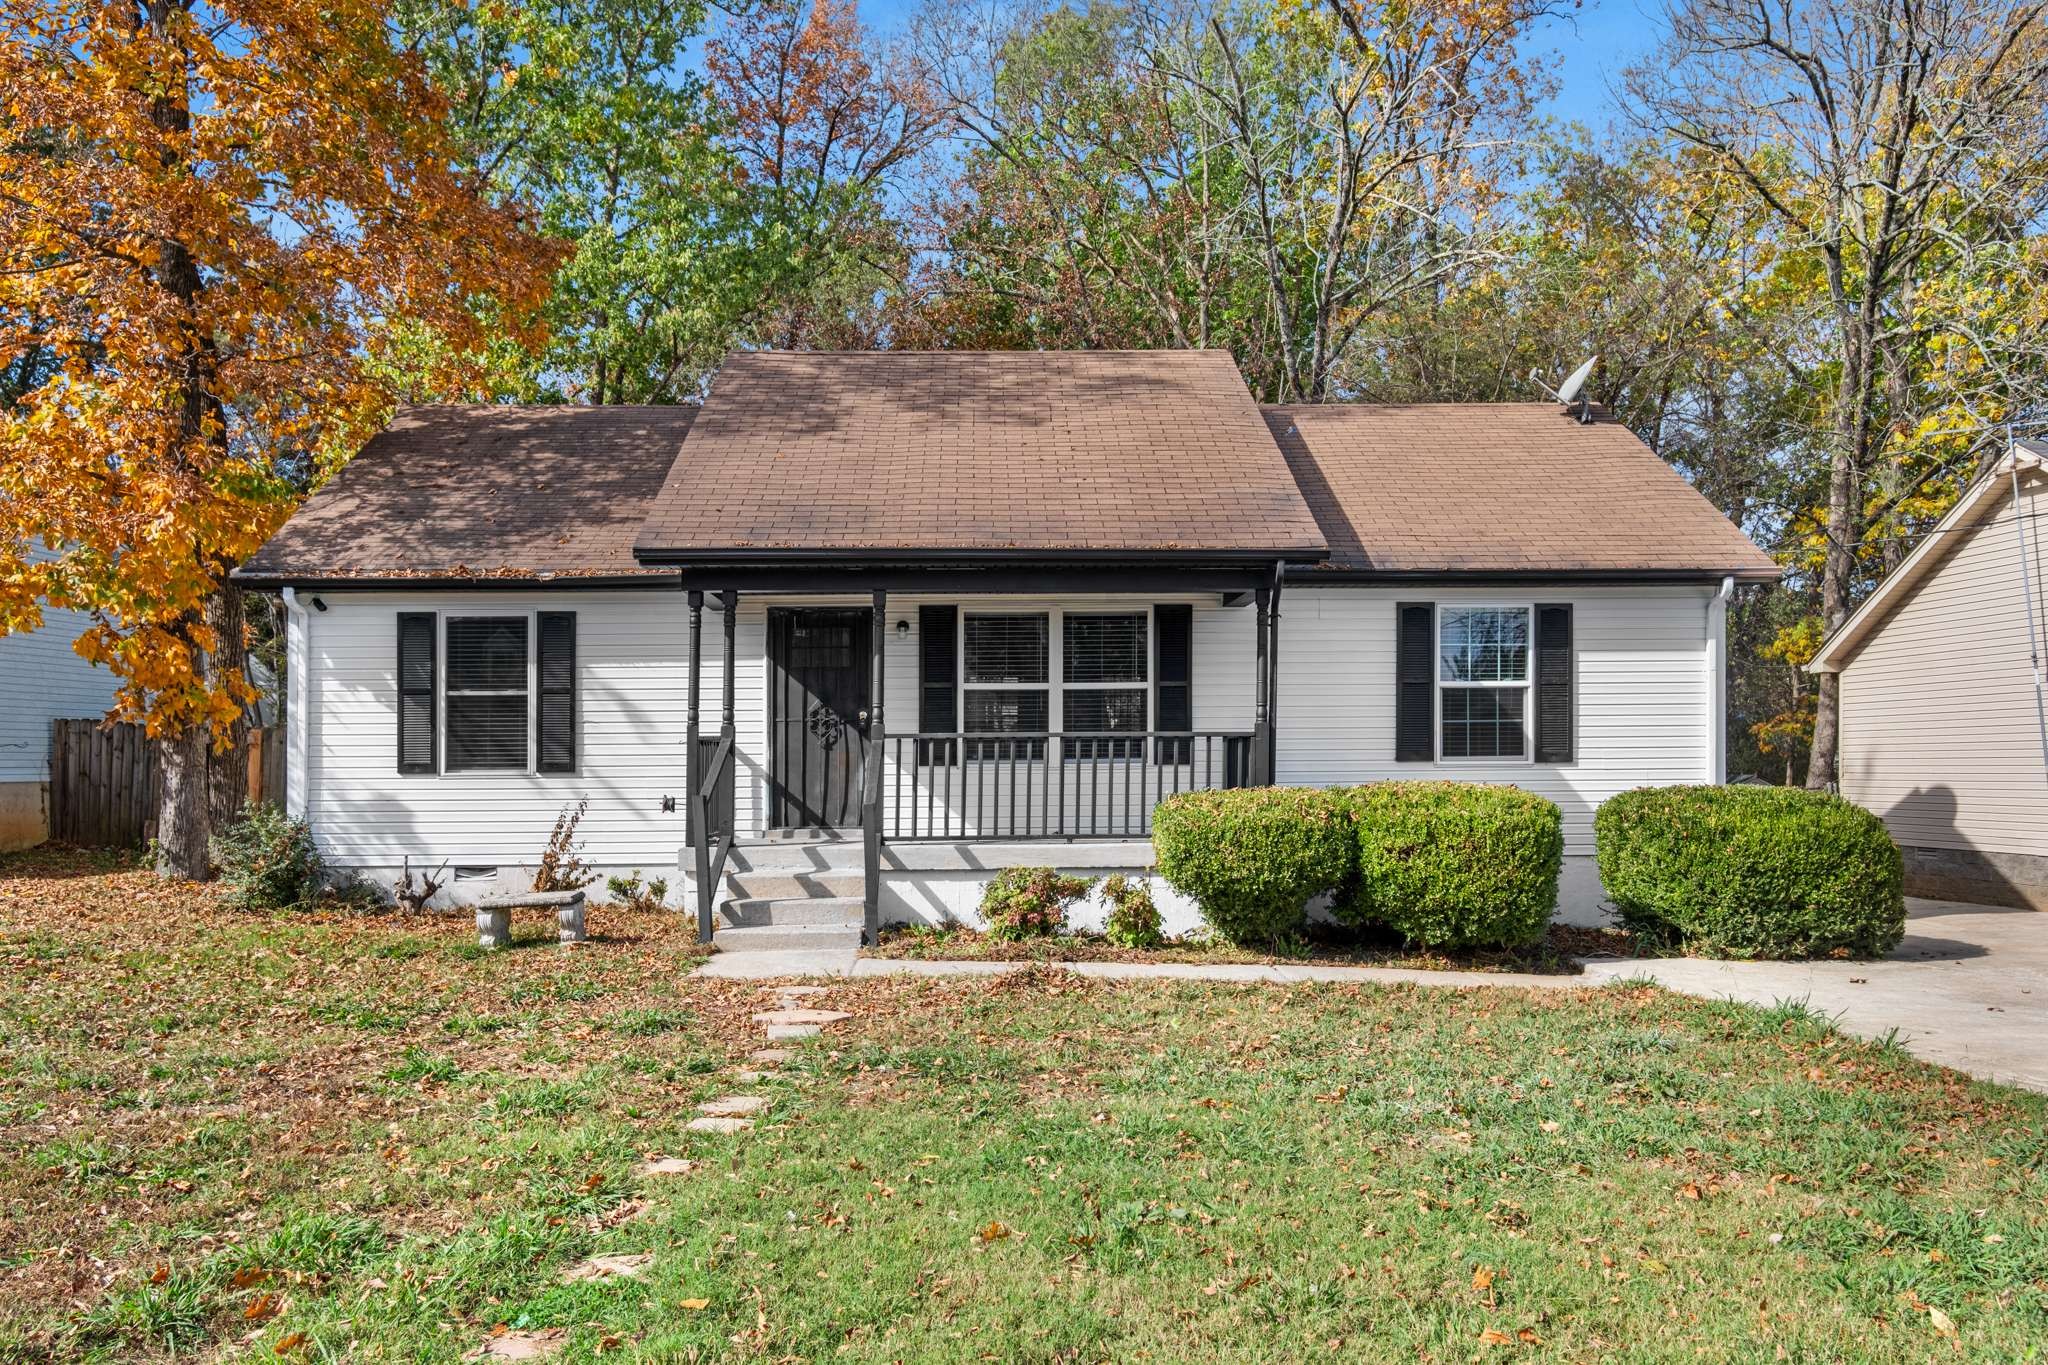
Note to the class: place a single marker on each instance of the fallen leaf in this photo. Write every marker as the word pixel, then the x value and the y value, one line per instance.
pixel 994 1232
pixel 695 1305
pixel 1527 1336
pixel 289 1342
pixel 262 1308
pixel 1492 1338
pixel 1690 1189
pixel 1940 1321
pixel 1482 1278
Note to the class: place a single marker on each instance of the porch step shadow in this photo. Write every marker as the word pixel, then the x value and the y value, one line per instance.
pixel 834 911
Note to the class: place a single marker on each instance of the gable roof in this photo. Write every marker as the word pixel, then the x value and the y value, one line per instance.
pixel 1978 503
pixel 485 492
pixel 979 454
pixel 1500 488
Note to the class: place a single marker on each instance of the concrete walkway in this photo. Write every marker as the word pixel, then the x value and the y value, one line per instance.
pixel 1968 988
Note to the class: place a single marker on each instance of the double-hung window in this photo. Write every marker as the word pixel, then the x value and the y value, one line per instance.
pixel 1006 683
pixel 486 697
pixel 1483 681
pixel 1105 684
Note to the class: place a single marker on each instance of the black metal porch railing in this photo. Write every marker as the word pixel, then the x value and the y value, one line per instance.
pixel 1050 785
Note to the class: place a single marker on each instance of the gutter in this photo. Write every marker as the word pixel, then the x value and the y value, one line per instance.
pixel 1717 681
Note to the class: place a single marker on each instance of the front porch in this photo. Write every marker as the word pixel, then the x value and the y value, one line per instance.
pixel 1034 721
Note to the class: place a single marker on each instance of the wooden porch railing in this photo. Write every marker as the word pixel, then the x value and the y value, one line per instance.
pixel 1050 785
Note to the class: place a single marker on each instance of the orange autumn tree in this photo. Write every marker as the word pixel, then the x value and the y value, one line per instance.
pixel 208 214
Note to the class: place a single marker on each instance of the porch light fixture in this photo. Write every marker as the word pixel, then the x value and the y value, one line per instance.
pixel 903 629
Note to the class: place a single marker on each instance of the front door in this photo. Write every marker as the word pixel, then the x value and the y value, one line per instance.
pixel 817 716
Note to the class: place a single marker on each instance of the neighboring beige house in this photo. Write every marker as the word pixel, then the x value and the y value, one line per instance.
pixel 1943 731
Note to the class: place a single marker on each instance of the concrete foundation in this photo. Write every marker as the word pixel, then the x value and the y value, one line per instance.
pixel 1964 874
pixel 942 883
pixel 24 815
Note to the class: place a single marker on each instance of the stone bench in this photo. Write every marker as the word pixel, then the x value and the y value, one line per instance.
pixel 494 914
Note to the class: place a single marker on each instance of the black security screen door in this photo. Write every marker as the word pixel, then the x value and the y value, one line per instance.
pixel 817 717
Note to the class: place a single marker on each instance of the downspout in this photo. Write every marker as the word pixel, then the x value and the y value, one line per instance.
pixel 297 664
pixel 1717 681
pixel 2019 521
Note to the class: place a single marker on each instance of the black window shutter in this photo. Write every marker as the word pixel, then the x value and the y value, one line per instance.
pixel 416 745
pixel 938 679
pixel 1415 682
pixel 1554 684
pixel 1173 677
pixel 557 710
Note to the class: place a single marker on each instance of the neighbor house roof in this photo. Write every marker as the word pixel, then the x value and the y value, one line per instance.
pixel 1500 488
pixel 485 492
pixel 976 454
pixel 2027 459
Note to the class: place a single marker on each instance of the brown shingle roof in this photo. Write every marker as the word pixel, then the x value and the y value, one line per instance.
pixel 1019 451
pixel 485 492
pixel 1499 487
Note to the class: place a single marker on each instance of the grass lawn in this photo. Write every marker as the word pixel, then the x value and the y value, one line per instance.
pixel 329 1138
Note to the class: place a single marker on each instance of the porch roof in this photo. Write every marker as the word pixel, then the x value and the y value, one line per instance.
pixel 976 455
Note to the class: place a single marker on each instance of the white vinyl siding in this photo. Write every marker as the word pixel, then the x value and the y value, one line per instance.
pixel 1642 699
pixel 42 679
pixel 1939 732
pixel 632 650
pixel 1642 708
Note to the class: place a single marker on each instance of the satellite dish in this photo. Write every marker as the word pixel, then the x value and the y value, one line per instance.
pixel 1570 393
pixel 1569 390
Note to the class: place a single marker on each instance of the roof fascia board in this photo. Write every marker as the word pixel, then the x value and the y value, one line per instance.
pixel 1973 507
pixel 1309 576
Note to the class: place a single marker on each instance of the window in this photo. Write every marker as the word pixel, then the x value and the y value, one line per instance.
pixel 486 704
pixel 1104 683
pixel 1005 683
pixel 1483 681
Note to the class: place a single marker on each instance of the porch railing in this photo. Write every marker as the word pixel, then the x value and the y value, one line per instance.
pixel 1051 784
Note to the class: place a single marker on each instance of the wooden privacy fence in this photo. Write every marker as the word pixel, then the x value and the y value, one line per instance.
pixel 103 783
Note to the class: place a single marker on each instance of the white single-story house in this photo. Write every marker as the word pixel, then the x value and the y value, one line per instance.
pixel 42 679
pixel 1944 722
pixel 918 616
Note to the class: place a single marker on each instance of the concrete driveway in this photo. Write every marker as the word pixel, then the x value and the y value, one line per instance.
pixel 1968 988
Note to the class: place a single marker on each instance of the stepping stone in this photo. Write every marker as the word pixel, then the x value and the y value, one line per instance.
pixel 733 1106
pixel 522 1345
pixel 666 1165
pixel 630 1267
pixel 710 1123
pixel 770 1055
pixel 778 1033
pixel 801 1016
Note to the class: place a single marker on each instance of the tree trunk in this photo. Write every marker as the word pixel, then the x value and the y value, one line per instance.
pixel 181 825
pixel 228 769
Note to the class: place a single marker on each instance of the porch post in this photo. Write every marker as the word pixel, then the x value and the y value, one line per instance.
pixel 693 822
pixel 1273 684
pixel 1262 728
pixel 871 777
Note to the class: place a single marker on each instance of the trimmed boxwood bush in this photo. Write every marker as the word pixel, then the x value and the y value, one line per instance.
pixel 1753 871
pixel 1454 864
pixel 1250 859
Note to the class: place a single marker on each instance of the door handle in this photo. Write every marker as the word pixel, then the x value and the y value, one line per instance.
pixel 863 720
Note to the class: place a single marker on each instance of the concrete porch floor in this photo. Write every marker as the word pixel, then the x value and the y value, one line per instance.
pixel 1968 988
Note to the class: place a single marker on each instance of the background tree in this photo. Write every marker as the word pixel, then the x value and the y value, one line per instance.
pixel 1900 147
pixel 202 208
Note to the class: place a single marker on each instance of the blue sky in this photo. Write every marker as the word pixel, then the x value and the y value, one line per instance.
pixel 1591 48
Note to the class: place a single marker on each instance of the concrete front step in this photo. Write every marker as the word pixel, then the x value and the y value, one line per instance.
pixel 787 938
pixel 794 857
pixel 778 886
pixel 838 911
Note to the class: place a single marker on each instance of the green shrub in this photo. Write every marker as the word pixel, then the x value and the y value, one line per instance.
pixel 631 893
pixel 1453 864
pixel 1030 902
pixel 1133 918
pixel 1250 859
pixel 267 860
pixel 1753 871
